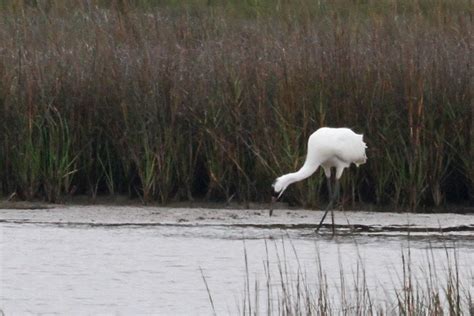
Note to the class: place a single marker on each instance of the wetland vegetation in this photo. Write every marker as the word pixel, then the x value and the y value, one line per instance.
pixel 418 288
pixel 212 100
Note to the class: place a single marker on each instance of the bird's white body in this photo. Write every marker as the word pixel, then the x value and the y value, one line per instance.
pixel 329 148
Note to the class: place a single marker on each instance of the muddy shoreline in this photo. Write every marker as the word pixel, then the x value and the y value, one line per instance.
pixel 122 200
pixel 112 214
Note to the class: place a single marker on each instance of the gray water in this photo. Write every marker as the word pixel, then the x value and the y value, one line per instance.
pixel 130 270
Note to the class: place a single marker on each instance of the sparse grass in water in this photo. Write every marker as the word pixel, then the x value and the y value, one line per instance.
pixel 420 290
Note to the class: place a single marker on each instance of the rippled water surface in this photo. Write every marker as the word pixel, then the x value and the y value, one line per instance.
pixel 157 269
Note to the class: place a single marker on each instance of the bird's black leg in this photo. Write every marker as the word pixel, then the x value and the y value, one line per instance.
pixel 332 220
pixel 336 191
pixel 329 180
pixel 331 198
pixel 334 197
pixel 324 216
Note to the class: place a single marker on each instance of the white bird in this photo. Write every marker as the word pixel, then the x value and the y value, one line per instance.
pixel 329 148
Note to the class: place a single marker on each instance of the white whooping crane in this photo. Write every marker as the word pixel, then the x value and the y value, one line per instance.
pixel 329 148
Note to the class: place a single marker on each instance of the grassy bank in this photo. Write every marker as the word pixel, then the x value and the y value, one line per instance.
pixel 213 100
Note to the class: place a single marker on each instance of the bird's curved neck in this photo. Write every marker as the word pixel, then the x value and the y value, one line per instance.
pixel 301 174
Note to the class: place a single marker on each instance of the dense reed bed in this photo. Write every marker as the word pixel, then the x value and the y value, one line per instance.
pixel 213 100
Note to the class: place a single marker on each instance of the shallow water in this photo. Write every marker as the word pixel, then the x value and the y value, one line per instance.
pixel 80 269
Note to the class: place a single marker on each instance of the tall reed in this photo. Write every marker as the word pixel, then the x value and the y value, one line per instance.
pixel 170 101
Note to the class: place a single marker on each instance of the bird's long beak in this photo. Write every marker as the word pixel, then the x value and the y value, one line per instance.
pixel 274 199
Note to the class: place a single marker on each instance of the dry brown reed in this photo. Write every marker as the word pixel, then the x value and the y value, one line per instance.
pixel 215 99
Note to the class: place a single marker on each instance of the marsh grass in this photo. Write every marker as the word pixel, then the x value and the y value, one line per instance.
pixel 170 101
pixel 421 289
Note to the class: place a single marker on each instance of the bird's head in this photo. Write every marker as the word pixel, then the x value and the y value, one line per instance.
pixel 278 187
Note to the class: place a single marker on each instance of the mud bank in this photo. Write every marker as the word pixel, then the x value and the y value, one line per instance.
pixel 354 221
